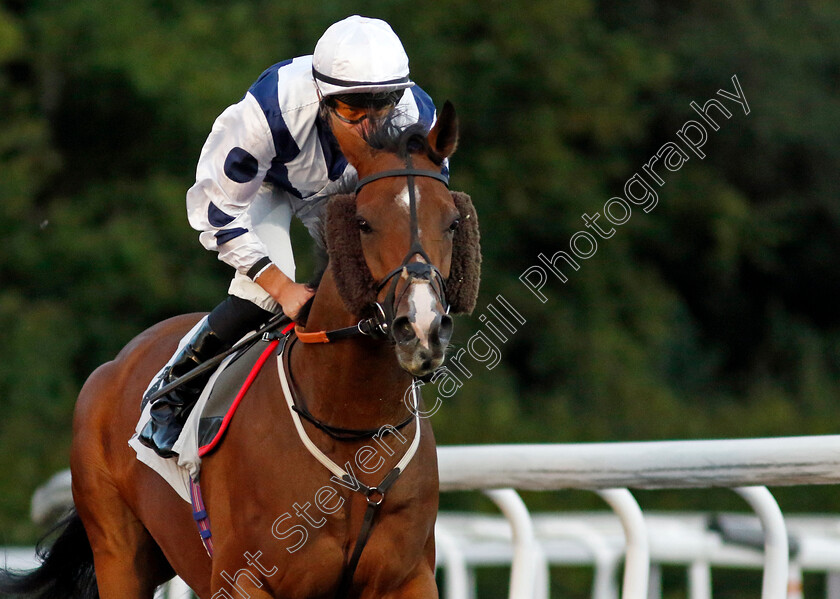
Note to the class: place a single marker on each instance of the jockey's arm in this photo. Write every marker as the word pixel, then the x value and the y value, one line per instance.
pixel 232 166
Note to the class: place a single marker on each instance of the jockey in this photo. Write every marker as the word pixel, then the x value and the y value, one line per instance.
pixel 267 158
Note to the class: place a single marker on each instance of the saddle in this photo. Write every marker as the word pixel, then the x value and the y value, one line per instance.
pixel 207 424
pixel 226 390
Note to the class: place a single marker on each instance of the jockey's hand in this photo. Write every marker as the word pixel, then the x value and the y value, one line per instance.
pixel 290 295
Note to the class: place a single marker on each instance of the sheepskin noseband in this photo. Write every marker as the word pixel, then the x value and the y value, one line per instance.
pixel 465 271
pixel 352 276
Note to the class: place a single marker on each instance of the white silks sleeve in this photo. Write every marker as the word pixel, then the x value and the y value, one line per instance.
pixel 231 169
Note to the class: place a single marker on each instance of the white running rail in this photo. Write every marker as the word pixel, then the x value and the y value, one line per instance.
pixel 746 465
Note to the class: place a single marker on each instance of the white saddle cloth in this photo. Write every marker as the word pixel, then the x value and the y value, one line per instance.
pixel 178 471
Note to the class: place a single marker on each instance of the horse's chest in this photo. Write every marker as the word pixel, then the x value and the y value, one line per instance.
pixel 311 563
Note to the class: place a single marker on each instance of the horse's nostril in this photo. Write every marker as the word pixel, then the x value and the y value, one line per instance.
pixel 402 330
pixel 445 330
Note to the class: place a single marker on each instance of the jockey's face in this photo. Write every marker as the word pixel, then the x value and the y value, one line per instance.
pixel 360 111
pixel 355 117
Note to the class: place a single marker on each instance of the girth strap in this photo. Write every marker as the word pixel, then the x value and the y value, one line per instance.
pixel 202 520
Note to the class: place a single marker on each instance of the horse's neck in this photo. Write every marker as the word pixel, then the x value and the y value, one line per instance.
pixel 355 382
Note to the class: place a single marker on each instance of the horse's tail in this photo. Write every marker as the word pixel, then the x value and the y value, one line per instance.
pixel 66 568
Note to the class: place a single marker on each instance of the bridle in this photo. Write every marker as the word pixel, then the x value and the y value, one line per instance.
pixel 409 269
pixel 379 325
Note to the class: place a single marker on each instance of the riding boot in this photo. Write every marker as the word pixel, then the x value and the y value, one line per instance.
pixel 169 412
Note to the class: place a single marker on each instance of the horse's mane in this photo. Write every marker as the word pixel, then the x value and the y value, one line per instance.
pixel 321 262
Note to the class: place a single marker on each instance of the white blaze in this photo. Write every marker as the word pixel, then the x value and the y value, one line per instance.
pixel 422 303
pixel 421 299
pixel 403 200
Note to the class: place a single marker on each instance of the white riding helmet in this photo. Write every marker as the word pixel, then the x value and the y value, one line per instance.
pixel 360 55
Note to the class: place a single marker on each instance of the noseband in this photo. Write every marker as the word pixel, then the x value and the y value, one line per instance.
pixel 379 325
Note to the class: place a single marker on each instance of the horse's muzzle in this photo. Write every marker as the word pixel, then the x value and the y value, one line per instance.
pixel 422 330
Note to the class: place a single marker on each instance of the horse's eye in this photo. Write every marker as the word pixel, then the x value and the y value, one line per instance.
pixel 455 224
pixel 364 226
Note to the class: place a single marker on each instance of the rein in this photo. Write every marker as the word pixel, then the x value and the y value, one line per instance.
pixel 336 432
pixel 375 326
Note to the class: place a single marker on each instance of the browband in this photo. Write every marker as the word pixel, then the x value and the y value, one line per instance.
pixel 403 172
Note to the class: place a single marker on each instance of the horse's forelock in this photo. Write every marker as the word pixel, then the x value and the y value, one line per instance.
pixel 390 137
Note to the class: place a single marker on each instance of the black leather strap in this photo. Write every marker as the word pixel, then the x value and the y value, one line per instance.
pixel 343 83
pixel 258 267
pixel 346 434
pixel 336 432
pixel 403 172
pixel 375 496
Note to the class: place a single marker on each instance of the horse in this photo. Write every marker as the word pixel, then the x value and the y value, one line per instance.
pixel 283 525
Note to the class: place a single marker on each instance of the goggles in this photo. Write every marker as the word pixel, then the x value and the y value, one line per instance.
pixel 356 108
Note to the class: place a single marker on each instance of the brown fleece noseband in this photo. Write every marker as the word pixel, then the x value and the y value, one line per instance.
pixel 357 287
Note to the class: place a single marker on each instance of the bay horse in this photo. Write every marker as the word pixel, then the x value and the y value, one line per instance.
pixel 403 242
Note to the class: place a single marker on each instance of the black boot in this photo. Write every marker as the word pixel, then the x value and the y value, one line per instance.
pixel 169 413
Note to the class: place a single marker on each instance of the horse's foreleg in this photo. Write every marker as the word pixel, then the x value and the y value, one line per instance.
pixel 127 561
pixel 420 586
pixel 239 585
pixel 116 576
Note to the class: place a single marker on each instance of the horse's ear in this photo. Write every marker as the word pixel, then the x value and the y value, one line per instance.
pixel 444 135
pixel 355 149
